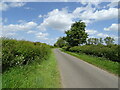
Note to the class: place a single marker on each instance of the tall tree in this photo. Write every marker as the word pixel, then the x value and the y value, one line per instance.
pixel 109 40
pixel 76 35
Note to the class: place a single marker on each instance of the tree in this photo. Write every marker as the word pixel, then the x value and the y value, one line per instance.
pixel 88 41
pixel 60 42
pixel 96 41
pixel 76 35
pixel 93 41
pixel 100 41
pixel 109 40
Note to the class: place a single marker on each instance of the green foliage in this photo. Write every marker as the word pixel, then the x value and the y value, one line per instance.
pixel 110 52
pixel 66 48
pixel 17 53
pixel 94 41
pixel 100 41
pixel 60 42
pixel 76 35
pixel 109 40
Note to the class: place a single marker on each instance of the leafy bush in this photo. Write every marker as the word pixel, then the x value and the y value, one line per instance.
pixel 22 52
pixel 109 52
pixel 66 48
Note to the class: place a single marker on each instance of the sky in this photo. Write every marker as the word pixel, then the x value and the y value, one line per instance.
pixel 47 21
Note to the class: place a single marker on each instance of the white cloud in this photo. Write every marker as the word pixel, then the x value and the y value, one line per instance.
pixel 42 36
pixel 6 33
pixel 78 10
pixel 16 4
pixel 31 32
pixel 40 16
pixel 10 30
pixel 116 37
pixel 9 34
pixel 5 6
pixel 95 2
pixel 91 32
pixel 83 1
pixel 102 35
pixel 87 21
pixel 111 13
pixel 58 20
pixel 21 21
pixel 16 27
pixel 28 8
pixel 113 27
pixel 28 27
pixel 62 19
pixel 52 41
pixel 91 14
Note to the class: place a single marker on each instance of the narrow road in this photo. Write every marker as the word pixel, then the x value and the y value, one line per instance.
pixel 76 73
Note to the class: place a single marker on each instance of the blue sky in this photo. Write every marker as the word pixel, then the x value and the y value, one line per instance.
pixel 47 21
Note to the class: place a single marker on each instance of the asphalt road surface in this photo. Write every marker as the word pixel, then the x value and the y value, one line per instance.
pixel 76 73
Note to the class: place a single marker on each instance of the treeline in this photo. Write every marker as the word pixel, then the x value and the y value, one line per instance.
pixel 90 41
pixel 95 41
pixel 76 40
pixel 20 52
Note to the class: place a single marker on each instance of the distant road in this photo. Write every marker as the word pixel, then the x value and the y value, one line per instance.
pixel 76 73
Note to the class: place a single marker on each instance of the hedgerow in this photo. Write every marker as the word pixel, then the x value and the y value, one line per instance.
pixel 20 52
pixel 109 52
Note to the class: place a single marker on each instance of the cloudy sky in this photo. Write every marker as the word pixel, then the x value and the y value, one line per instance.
pixel 46 21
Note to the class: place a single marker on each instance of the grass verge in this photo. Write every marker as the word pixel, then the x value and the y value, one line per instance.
pixel 34 75
pixel 110 66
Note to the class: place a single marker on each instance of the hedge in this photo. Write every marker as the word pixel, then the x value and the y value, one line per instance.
pixel 20 52
pixel 109 52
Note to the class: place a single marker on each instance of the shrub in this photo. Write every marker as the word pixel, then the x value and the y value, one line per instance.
pixel 22 52
pixel 109 52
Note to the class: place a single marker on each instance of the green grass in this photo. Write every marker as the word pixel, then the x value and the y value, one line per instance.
pixel 35 75
pixel 110 66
